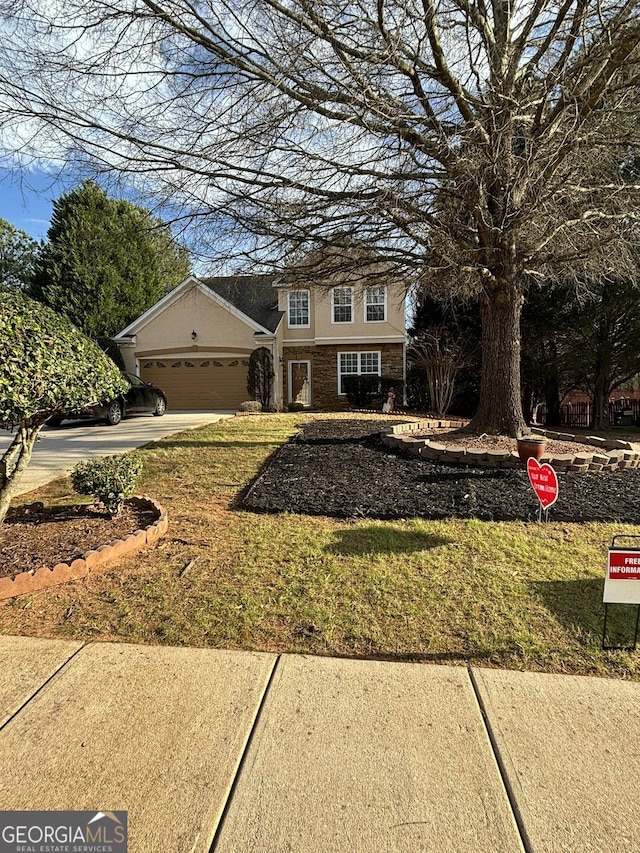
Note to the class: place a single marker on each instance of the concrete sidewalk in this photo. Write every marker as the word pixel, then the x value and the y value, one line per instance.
pixel 241 752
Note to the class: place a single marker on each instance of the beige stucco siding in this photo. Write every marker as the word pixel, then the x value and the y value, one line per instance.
pixel 217 329
pixel 129 356
pixel 296 333
pixel 393 326
pixel 323 331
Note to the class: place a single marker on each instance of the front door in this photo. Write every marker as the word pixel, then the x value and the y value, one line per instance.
pixel 300 382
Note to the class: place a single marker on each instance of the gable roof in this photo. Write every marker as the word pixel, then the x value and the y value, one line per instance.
pixel 251 298
pixel 253 295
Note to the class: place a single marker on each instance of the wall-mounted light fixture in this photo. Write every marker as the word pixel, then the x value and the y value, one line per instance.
pixel 281 360
pixel 194 335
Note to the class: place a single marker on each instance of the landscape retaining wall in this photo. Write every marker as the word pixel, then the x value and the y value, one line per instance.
pixel 28 582
pixel 608 454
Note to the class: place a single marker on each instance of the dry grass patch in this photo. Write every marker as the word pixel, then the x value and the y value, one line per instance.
pixel 499 594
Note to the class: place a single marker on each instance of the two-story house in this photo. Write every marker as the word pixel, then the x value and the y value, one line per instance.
pixel 195 343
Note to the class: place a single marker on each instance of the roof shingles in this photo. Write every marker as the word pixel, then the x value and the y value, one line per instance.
pixel 254 295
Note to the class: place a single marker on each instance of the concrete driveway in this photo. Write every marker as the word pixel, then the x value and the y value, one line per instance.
pixel 59 449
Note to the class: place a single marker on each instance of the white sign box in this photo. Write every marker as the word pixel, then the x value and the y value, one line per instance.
pixel 622 583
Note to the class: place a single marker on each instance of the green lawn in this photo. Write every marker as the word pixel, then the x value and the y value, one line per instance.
pixel 519 595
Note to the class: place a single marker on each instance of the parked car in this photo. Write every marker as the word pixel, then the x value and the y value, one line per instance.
pixel 141 397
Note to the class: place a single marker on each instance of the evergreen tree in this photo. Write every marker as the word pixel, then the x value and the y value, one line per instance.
pixel 106 261
pixel 260 376
pixel 603 342
pixel 18 253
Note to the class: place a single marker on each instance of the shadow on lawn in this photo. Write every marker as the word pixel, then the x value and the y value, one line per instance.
pixel 176 442
pixel 383 539
pixel 577 604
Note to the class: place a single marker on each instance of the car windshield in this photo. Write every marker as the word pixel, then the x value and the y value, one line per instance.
pixel 134 380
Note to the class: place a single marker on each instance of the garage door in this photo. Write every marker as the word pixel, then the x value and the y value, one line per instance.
pixel 199 383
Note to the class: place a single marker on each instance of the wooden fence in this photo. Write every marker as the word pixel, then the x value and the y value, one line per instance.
pixel 621 413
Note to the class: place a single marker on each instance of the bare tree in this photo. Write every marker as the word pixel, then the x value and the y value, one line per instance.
pixel 444 341
pixel 294 120
pixel 441 356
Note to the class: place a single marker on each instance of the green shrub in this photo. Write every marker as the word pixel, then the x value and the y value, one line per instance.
pixel 47 368
pixel 295 406
pixel 260 375
pixel 109 480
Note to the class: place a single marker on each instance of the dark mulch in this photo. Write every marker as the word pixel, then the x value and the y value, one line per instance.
pixel 342 469
pixel 44 536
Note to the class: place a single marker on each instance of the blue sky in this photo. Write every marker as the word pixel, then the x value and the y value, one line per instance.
pixel 25 199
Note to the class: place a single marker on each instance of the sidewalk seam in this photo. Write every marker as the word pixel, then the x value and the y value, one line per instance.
pixel 42 686
pixel 243 758
pixel 524 835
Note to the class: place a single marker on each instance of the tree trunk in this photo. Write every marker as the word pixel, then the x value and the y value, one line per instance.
pixel 552 387
pixel 600 419
pixel 527 401
pixel 500 406
pixel 552 401
pixel 10 472
pixel 601 391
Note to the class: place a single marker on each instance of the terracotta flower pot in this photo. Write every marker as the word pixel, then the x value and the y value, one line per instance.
pixel 529 446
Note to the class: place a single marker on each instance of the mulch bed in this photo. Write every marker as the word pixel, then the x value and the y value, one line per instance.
pixel 44 536
pixel 342 469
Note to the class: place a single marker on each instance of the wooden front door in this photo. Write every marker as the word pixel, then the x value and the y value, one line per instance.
pixel 300 382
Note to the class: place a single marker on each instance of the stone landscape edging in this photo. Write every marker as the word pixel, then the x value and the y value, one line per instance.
pixel 44 577
pixel 610 455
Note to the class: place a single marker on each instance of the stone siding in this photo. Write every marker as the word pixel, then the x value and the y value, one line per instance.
pixel 324 369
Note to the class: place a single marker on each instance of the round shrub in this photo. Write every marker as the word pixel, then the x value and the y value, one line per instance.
pixel 109 480
pixel 47 365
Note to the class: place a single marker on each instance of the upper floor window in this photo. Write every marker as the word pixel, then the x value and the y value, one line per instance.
pixel 375 302
pixel 342 304
pixel 299 308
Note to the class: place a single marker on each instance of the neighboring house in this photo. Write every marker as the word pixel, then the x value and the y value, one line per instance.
pixel 196 341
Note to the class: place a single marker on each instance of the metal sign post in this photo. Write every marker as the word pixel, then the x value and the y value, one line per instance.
pixel 622 584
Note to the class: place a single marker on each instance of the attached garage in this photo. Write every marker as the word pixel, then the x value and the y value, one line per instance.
pixel 195 342
pixel 198 383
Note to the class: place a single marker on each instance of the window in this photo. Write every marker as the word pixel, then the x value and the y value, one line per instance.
pixel 357 364
pixel 375 304
pixel 299 308
pixel 342 304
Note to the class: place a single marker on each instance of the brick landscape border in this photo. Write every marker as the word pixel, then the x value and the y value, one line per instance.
pixel 43 578
pixel 608 454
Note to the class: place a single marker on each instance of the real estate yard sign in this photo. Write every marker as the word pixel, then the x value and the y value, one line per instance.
pixel 622 583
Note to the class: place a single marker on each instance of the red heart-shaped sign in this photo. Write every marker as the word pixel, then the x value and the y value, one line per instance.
pixel 544 481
